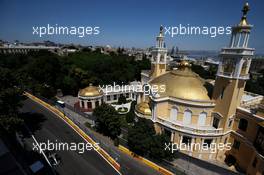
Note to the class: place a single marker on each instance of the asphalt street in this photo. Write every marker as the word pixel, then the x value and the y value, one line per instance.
pixel 55 130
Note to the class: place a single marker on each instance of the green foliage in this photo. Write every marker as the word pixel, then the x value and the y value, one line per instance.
pixel 206 74
pixel 122 109
pixel 116 141
pixel 10 94
pixel 130 116
pixel 10 101
pixel 157 148
pixel 140 137
pixel 104 69
pixel 108 121
pixel 255 86
pixel 256 83
pixel 9 124
pixel 88 125
pixel 122 99
pixel 44 68
pixel 69 85
pixel 44 72
pixel 252 85
pixel 143 141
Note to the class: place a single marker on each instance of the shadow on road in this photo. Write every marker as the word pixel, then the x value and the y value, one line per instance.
pixel 33 120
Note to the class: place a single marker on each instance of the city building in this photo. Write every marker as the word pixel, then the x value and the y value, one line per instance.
pixel 193 112
pixel 92 96
pixel 23 49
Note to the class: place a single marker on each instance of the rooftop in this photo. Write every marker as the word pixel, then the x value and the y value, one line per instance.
pixel 254 103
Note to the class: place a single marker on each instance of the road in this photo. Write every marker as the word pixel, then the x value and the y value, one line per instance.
pixel 55 130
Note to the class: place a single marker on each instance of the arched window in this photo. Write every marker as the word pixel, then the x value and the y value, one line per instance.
pixel 89 105
pixel 173 114
pixel 228 65
pixel 202 119
pixel 244 68
pixel 187 118
pixel 162 58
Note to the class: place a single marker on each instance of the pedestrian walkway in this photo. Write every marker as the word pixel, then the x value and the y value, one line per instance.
pixel 193 166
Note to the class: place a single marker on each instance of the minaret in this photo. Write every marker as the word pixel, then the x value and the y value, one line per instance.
pixel 233 71
pixel 159 56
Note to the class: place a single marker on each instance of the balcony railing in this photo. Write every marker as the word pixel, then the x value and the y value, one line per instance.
pixel 190 129
pixel 232 75
pixel 236 50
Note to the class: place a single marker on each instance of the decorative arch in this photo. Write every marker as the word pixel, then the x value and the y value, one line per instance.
pixel 244 68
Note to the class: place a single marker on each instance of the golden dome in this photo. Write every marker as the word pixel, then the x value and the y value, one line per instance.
pixel 90 91
pixel 143 108
pixel 183 84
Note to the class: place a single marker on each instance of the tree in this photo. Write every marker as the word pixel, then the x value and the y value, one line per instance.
pixel 10 101
pixel 122 99
pixel 108 121
pixel 206 74
pixel 157 148
pixel 130 116
pixel 10 94
pixel 9 124
pixel 256 85
pixel 140 136
pixel 72 72
pixel 143 140
pixel 69 85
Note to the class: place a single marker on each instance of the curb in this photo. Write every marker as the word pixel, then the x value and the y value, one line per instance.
pixel 101 152
pixel 145 161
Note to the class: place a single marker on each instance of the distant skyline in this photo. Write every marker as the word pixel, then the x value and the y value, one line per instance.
pixel 132 23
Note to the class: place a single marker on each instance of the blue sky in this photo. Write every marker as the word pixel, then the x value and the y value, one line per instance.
pixel 133 23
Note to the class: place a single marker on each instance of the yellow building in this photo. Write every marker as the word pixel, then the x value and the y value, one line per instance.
pixel 191 113
pixel 89 98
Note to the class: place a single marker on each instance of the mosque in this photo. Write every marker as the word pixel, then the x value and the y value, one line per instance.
pixel 192 110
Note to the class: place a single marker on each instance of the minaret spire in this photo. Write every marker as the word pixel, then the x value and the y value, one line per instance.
pixel 161 30
pixel 159 55
pixel 233 70
pixel 243 21
pixel 240 32
pixel 160 38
